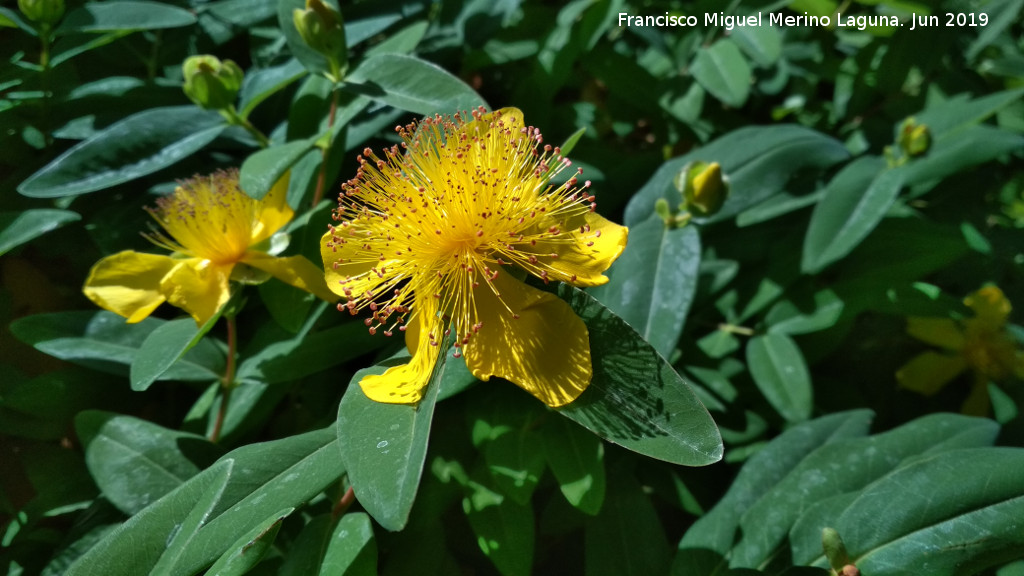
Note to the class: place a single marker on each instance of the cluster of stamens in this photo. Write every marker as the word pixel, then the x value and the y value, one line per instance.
pixel 440 214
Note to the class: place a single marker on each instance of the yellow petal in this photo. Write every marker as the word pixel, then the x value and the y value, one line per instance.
pixel 294 270
pixel 941 332
pixel 405 384
pixel 198 287
pixel 977 402
pixel 128 283
pixel 341 265
pixel 546 350
pixel 583 260
pixel 510 118
pixel 929 371
pixel 274 211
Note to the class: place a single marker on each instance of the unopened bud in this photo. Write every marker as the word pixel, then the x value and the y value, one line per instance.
pixel 322 29
pixel 914 138
pixel 211 83
pixel 46 12
pixel 835 550
pixel 703 186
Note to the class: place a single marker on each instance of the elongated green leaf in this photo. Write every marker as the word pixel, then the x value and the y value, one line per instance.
pixel 263 169
pixel 652 284
pixel 778 205
pixel 163 348
pixel 134 147
pixel 504 529
pixel 967 147
pixel 723 71
pixel 385 446
pixel 248 550
pixel 352 550
pixel 124 15
pixel 196 519
pixel 962 111
pixel 408 83
pixel 262 84
pixel 758 160
pixel 762 43
pixel 266 478
pixel 848 466
pixel 307 354
pixel 855 201
pixel 307 551
pixel 779 370
pixel 576 458
pixel 17 228
pixel 626 538
pixel 635 398
pixel 515 463
pixel 134 462
pixel 104 341
pixel 717 530
pixel 789 317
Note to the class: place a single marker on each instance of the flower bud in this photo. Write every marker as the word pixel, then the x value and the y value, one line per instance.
pixel 210 83
pixel 703 186
pixel 322 29
pixel 47 12
pixel 914 138
pixel 835 550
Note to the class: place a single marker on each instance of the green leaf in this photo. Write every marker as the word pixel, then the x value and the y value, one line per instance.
pixel 385 446
pixel 758 161
pixel 789 317
pixel 636 399
pixel 576 458
pixel 134 462
pixel 779 370
pixel 266 478
pixel 515 463
pixel 855 201
pixel 962 149
pixel 262 84
pixel 164 346
pixel 124 15
pixel 263 169
pixel 762 43
pixel 716 531
pixel 248 550
pixel 504 529
pixel 626 538
pixel 196 519
pixel 132 148
pixel 408 83
pixel 307 551
pixel 352 550
pixel 776 206
pixel 104 341
pixel 17 228
pixel 962 111
pixel 652 284
pixel 723 71
pixel 848 466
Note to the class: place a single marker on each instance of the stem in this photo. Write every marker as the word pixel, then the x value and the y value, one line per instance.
pixel 232 116
pixel 44 80
pixel 227 383
pixel 733 329
pixel 343 503
pixel 321 179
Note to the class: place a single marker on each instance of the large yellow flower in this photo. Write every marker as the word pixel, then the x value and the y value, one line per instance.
pixel 212 227
pixel 431 236
pixel 980 343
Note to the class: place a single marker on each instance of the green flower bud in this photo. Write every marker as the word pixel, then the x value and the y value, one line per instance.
pixel 210 83
pixel 46 12
pixel 914 139
pixel 703 186
pixel 322 29
pixel 835 550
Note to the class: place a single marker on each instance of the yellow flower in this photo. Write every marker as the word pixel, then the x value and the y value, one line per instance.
pixel 980 343
pixel 212 226
pixel 431 235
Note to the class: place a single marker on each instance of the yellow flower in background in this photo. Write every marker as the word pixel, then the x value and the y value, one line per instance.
pixel 980 343
pixel 430 236
pixel 211 227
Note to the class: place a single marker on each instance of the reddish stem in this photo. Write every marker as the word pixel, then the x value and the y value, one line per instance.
pixel 227 383
pixel 321 179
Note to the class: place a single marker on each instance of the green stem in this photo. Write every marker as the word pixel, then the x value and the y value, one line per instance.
pixel 44 80
pixel 227 383
pixel 234 118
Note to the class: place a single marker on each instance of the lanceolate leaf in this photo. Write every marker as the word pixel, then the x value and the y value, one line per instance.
pixel 17 228
pixel 125 15
pixel 635 398
pixel 386 461
pixel 652 284
pixel 723 71
pixel 132 148
pixel 408 83
pixel 780 372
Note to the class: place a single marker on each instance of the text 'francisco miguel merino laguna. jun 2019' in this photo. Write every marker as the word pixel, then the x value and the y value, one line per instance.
pixel 839 20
